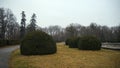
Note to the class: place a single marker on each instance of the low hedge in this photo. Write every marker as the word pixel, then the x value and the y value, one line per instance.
pixel 9 42
pixel 3 43
pixel 13 42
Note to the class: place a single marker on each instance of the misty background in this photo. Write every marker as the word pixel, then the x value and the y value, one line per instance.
pixel 64 12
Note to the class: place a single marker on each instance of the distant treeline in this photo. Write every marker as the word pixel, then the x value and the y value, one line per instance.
pixel 11 30
pixel 104 33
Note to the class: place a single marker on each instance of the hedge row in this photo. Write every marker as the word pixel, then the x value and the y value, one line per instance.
pixel 84 43
pixel 8 42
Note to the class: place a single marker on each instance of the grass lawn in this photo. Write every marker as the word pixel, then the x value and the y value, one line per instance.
pixel 67 58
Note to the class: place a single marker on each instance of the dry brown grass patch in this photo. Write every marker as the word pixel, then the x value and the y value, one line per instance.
pixel 68 58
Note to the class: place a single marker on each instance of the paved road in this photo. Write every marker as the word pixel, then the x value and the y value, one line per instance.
pixel 5 55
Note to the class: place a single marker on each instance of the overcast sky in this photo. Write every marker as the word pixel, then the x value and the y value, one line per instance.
pixel 64 12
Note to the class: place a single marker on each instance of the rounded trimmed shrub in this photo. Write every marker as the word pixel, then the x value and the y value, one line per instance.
pixel 37 43
pixel 89 43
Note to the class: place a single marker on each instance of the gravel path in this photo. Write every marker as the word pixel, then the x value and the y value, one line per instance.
pixel 5 55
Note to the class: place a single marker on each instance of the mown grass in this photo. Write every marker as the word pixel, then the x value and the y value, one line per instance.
pixel 68 58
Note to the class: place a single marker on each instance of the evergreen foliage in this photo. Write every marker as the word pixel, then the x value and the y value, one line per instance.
pixel 37 43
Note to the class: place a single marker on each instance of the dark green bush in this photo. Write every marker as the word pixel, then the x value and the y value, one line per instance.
pixel 3 43
pixel 89 43
pixel 67 41
pixel 37 43
pixel 72 42
pixel 8 42
pixel 13 42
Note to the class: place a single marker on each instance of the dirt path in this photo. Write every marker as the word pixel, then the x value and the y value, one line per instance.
pixel 5 55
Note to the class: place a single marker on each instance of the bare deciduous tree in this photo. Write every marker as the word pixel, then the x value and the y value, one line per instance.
pixel 2 23
pixel 8 26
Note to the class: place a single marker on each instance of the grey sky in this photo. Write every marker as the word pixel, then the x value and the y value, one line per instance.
pixel 64 12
